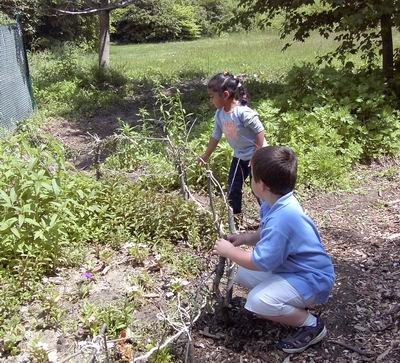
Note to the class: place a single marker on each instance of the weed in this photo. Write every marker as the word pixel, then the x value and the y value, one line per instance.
pixel 116 317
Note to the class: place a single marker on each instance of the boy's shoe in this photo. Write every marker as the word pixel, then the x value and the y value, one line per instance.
pixel 303 338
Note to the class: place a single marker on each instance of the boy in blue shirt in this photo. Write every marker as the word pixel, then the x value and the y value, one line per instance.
pixel 288 269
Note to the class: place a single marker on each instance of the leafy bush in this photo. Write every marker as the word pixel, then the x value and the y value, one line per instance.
pixel 64 82
pixel 154 21
pixel 149 20
pixel 32 215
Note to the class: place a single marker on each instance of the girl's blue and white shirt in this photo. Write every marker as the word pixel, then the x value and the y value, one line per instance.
pixel 240 127
pixel 290 246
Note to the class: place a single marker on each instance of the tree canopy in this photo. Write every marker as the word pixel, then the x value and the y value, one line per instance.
pixel 358 25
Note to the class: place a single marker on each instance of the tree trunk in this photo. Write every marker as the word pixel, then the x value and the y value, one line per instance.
pixel 387 46
pixel 104 50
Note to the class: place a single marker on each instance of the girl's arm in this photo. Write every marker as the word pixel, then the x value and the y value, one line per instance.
pixel 260 138
pixel 236 254
pixel 212 144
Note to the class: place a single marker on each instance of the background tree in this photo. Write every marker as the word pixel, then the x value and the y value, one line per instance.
pixel 358 25
pixel 42 27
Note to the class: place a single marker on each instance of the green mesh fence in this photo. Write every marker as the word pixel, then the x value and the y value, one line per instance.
pixel 16 102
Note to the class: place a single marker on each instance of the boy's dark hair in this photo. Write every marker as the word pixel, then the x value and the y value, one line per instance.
pixel 276 167
pixel 225 81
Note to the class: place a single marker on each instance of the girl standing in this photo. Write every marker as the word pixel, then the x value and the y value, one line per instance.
pixel 241 127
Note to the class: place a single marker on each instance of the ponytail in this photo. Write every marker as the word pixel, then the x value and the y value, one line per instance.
pixel 226 81
pixel 242 94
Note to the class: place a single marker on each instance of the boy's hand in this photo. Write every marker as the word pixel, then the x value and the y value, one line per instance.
pixel 237 239
pixel 222 247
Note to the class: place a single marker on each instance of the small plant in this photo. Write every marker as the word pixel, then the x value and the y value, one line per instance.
pixel 389 173
pixel 139 253
pixel 116 318
pixel 143 280
pixel 84 284
pixel 50 308
pixel 163 355
pixel 105 255
pixel 12 333
pixel 187 265
pixel 38 351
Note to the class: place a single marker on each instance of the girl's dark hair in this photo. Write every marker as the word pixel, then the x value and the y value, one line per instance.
pixel 225 81
pixel 276 167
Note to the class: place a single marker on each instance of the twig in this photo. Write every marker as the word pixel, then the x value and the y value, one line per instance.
pixel 383 355
pixel 350 347
pixel 99 337
pixel 143 358
pixel 105 343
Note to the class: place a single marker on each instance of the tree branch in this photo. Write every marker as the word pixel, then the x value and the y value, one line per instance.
pixel 122 4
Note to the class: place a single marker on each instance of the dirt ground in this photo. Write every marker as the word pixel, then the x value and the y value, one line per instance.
pixel 361 230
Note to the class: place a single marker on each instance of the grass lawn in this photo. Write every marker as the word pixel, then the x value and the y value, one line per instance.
pixel 255 52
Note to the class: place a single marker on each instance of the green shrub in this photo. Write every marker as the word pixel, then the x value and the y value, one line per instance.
pixel 64 82
pixel 32 214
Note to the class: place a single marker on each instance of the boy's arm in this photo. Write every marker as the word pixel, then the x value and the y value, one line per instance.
pixel 212 144
pixel 246 238
pixel 242 258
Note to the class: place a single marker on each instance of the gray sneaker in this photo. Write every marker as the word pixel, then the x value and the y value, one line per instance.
pixel 303 338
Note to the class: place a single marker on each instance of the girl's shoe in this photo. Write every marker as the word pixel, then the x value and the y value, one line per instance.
pixel 303 338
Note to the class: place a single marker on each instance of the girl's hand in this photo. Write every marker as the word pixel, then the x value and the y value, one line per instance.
pixel 222 247
pixel 202 160
pixel 237 239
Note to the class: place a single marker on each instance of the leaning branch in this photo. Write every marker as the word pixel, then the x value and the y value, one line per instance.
pixel 122 4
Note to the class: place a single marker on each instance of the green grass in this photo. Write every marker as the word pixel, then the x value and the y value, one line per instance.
pixel 255 52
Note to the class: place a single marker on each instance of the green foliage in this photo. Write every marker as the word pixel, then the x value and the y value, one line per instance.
pixel 356 122
pixel 363 27
pixel 149 20
pixel 65 83
pixel 38 351
pixel 4 19
pixel 116 318
pixel 32 216
pixel 43 27
pixel 162 355
pixel 12 333
pixel 49 307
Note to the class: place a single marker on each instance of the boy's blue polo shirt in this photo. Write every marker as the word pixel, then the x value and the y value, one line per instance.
pixel 290 246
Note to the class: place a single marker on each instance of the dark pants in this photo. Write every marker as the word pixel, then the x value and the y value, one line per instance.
pixel 235 183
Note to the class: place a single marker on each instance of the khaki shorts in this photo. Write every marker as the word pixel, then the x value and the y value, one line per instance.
pixel 270 294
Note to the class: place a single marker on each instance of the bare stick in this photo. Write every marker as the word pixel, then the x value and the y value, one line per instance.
pixel 145 357
pixel 221 262
pixel 350 347
pixel 121 4
pixel 105 343
pixel 230 270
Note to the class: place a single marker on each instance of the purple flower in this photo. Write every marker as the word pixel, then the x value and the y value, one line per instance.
pixel 87 276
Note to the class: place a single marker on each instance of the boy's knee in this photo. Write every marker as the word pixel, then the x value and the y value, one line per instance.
pixel 267 306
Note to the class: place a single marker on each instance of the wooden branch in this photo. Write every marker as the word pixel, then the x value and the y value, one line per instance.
pixel 160 346
pixel 230 270
pixel 122 4
pixel 350 347
pixel 219 272
pixel 100 336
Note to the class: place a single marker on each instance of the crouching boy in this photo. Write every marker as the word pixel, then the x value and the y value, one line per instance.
pixel 288 270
